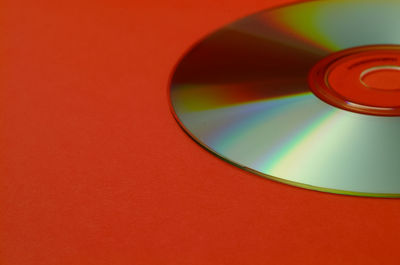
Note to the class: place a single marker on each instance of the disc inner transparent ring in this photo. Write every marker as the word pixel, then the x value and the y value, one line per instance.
pixel 376 70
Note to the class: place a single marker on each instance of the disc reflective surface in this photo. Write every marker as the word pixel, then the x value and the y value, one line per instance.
pixel 243 94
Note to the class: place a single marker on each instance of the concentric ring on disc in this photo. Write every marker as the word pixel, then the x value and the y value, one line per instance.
pixel 243 94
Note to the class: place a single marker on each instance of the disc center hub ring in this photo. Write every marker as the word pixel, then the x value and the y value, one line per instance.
pixel 363 79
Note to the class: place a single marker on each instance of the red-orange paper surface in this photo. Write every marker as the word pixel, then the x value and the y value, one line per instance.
pixel 94 169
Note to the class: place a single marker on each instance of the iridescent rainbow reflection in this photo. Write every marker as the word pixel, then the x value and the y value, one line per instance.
pixel 242 93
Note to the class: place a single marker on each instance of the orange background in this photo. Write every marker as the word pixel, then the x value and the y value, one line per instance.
pixel 94 170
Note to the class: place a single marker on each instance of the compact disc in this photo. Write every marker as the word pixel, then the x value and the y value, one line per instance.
pixel 306 94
